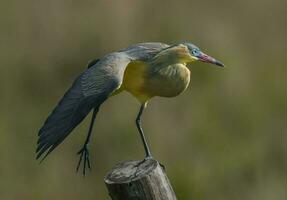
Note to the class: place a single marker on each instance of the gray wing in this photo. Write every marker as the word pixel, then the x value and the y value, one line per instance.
pixel 89 91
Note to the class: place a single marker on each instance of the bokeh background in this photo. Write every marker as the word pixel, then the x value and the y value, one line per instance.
pixel 224 138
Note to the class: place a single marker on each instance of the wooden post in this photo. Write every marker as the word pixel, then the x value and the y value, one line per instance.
pixel 139 180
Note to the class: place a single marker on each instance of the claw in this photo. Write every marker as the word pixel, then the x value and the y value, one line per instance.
pixel 162 166
pixel 84 156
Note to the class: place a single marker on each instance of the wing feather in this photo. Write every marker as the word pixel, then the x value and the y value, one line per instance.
pixel 88 91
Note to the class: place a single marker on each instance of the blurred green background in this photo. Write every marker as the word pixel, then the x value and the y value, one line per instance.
pixel 224 138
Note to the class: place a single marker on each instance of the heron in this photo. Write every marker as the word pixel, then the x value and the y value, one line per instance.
pixel 144 70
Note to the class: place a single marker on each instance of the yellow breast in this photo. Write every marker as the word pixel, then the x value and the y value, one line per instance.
pixel 134 81
pixel 145 81
pixel 168 81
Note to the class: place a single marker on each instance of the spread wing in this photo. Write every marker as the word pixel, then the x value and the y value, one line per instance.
pixel 89 91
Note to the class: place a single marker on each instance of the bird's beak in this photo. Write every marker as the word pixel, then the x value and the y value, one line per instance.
pixel 206 58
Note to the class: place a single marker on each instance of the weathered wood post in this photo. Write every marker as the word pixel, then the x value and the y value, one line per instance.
pixel 139 180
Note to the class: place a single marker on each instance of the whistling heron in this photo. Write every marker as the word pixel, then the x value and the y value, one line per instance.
pixel 145 70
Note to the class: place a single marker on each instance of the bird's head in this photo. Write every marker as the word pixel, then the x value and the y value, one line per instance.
pixel 196 54
pixel 185 52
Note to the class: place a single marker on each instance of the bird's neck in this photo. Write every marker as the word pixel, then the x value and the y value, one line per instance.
pixel 178 54
pixel 170 69
pixel 163 62
pixel 159 65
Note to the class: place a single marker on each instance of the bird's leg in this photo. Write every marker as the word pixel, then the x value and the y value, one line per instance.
pixel 146 147
pixel 84 152
pixel 138 123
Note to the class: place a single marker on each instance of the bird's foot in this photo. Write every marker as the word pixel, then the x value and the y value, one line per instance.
pixel 149 158
pixel 85 157
pixel 162 166
pixel 145 159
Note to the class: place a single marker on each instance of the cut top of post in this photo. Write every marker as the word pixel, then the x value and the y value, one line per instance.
pixel 130 171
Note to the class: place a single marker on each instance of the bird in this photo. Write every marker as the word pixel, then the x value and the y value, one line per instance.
pixel 144 70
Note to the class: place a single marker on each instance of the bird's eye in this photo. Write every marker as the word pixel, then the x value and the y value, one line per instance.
pixel 195 52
